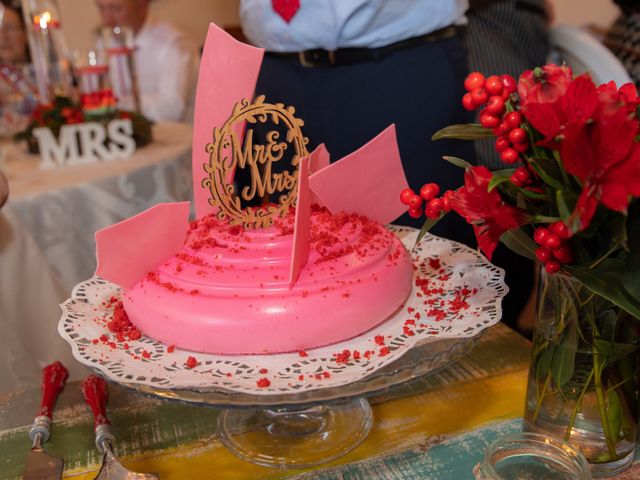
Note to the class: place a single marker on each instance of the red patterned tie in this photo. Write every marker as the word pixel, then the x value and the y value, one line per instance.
pixel 286 8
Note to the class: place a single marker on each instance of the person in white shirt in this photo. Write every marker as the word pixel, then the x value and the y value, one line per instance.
pixel 166 62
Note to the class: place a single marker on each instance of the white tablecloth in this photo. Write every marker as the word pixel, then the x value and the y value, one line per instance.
pixel 47 239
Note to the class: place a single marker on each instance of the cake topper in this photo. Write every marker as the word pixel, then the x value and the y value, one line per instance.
pixel 230 152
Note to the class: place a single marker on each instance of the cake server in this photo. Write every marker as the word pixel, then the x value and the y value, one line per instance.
pixel 40 465
pixel 94 390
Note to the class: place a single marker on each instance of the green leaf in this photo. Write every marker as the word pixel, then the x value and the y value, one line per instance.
pixel 496 180
pixel 458 162
pixel 541 167
pixel 563 209
pixel 563 364
pixel 614 414
pixel 471 131
pixel 520 242
pixel 606 284
pixel 544 363
pixel 426 226
pixel 611 352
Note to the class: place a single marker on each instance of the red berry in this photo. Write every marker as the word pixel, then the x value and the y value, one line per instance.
pixel 488 120
pixel 508 83
pixel 504 128
pixel 563 254
pixel 474 80
pixel 513 119
pixel 540 235
pixel 561 229
pixel 429 191
pixel 479 96
pixel 433 214
pixel 493 85
pixel 520 177
pixel 415 212
pixel 521 147
pixel 446 200
pixel 405 195
pixel 415 202
pixel 435 204
pixel 468 103
pixel 517 135
pixel 552 267
pixel 543 254
pixel 502 143
pixel 516 180
pixel 552 241
pixel 509 156
pixel 495 105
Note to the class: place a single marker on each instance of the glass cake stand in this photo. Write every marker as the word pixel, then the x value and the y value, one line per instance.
pixel 304 429
pixel 313 409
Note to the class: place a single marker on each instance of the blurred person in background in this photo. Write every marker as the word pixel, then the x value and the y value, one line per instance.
pixel 166 62
pixel 507 36
pixel 13 37
pixel 623 38
pixel 17 82
pixel 353 67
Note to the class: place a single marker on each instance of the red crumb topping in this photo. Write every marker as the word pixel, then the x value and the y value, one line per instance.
pixel 263 371
pixel 171 348
pixel 263 382
pixel 302 353
pixel 191 362
pixel 121 326
pixel 379 339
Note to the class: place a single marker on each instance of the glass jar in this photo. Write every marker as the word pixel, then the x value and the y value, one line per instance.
pixel 520 456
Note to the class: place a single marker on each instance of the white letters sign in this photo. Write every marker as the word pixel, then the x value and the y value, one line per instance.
pixel 85 143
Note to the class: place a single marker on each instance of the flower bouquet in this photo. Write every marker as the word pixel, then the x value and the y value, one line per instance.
pixel 63 111
pixel 568 199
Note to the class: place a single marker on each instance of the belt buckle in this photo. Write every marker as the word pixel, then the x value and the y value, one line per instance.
pixel 305 62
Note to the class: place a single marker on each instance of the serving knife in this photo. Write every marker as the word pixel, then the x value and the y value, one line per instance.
pixel 40 465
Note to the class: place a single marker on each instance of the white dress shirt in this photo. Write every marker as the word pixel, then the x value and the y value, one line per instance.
pixel 167 71
pixel 333 24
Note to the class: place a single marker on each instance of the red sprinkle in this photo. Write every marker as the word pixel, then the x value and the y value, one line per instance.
pixel 384 351
pixel 379 339
pixel 302 353
pixel 263 371
pixel 191 362
pixel 171 348
pixel 263 382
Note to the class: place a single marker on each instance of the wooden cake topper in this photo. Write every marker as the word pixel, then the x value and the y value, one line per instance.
pixel 228 153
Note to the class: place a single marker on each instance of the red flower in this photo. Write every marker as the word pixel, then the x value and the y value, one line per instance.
pixel 489 215
pixel 606 158
pixel 575 107
pixel 543 85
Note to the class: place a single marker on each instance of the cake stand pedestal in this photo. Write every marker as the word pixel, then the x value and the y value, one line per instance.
pixel 289 437
pixel 305 429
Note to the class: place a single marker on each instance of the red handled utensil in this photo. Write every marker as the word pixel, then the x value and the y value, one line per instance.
pixel 94 390
pixel 40 465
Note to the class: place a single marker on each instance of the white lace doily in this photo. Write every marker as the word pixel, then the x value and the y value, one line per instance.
pixel 456 293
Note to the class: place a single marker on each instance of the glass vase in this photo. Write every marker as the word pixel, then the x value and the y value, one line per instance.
pixel 583 377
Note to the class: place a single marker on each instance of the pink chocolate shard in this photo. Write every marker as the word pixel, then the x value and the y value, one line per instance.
pixel 228 73
pixel 302 225
pixel 367 181
pixel 128 250
pixel 319 159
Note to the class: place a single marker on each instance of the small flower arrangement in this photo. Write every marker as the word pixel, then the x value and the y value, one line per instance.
pixel 63 111
pixel 568 198
pixel 569 195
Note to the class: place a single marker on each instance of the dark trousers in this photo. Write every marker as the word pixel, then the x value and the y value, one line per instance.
pixel 418 88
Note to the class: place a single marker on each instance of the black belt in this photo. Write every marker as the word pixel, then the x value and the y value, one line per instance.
pixel 346 56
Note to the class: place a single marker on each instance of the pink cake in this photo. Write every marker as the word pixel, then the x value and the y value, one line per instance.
pixel 227 291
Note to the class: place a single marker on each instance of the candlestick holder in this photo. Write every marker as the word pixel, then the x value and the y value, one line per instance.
pixel 48 49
